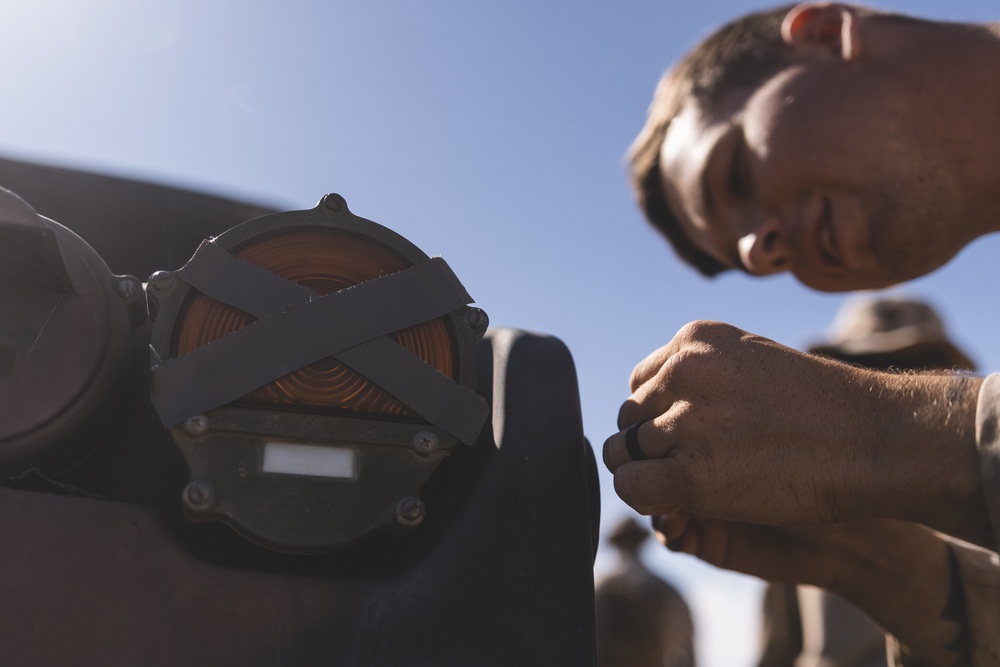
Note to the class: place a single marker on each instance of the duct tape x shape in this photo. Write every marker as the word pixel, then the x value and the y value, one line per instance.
pixel 297 327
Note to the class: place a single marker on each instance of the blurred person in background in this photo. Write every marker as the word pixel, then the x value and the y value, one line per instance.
pixel 642 621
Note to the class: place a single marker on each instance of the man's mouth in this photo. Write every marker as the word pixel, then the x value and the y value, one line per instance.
pixel 827 240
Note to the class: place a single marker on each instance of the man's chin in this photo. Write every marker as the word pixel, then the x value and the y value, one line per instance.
pixel 848 282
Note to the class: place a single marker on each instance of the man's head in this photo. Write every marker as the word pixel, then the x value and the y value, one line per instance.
pixel 629 536
pixel 742 53
pixel 799 139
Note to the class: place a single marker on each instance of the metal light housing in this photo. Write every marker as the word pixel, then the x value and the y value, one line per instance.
pixel 321 456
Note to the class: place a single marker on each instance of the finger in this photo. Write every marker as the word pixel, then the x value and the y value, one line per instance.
pixel 635 443
pixel 649 401
pixel 670 382
pixel 650 366
pixel 669 526
pixel 652 487
pixel 692 333
pixel 768 552
pixel 677 531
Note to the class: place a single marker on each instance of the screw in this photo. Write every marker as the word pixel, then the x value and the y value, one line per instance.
pixel 334 202
pixel 197 425
pixel 425 442
pixel 199 495
pixel 162 281
pixel 476 318
pixel 127 287
pixel 410 511
pixel 130 290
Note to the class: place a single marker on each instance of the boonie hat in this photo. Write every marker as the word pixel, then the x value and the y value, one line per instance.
pixel 629 532
pixel 891 331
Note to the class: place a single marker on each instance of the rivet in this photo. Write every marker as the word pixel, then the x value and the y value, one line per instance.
pixel 196 425
pixel 410 511
pixel 334 202
pixel 199 495
pixel 127 287
pixel 476 318
pixel 425 442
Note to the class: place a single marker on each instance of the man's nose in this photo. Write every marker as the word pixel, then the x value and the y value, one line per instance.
pixel 764 249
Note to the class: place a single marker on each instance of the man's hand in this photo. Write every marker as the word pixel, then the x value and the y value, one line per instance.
pixel 897 572
pixel 804 555
pixel 742 428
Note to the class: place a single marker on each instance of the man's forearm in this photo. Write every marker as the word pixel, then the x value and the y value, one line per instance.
pixel 900 573
pixel 906 578
pixel 934 474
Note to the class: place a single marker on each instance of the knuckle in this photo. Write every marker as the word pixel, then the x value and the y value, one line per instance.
pixel 690 331
pixel 685 367
pixel 636 379
pixel 704 330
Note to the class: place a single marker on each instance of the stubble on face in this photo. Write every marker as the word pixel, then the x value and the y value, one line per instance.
pixel 896 189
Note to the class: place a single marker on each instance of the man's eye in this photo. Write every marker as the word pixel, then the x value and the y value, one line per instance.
pixel 738 183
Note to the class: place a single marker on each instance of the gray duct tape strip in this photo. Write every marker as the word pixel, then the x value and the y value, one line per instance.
pixel 297 327
pixel 435 397
pixel 240 284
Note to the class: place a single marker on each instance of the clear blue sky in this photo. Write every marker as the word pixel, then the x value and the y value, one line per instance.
pixel 489 133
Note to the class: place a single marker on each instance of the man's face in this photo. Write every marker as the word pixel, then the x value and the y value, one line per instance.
pixel 826 170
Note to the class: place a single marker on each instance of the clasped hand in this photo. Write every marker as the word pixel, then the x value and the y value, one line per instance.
pixel 738 427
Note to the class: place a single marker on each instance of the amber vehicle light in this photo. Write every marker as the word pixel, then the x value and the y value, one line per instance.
pixel 324 260
pixel 297 449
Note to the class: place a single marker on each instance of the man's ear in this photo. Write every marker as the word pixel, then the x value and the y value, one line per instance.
pixel 823 28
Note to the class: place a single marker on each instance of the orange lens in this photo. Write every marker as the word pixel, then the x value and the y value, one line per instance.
pixel 325 260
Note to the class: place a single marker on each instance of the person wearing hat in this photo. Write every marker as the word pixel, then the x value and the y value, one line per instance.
pixel 805 626
pixel 892 332
pixel 642 621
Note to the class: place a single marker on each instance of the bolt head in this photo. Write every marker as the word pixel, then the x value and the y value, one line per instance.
pixel 127 287
pixel 162 281
pixel 476 318
pixel 199 495
pixel 196 425
pixel 410 511
pixel 334 202
pixel 425 442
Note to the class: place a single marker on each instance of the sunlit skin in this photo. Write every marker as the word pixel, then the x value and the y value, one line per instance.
pixel 870 160
pixel 850 174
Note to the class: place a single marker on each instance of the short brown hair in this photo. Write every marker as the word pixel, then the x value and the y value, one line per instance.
pixel 744 52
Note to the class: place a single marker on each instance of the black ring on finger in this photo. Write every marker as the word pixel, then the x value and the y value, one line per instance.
pixel 632 442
